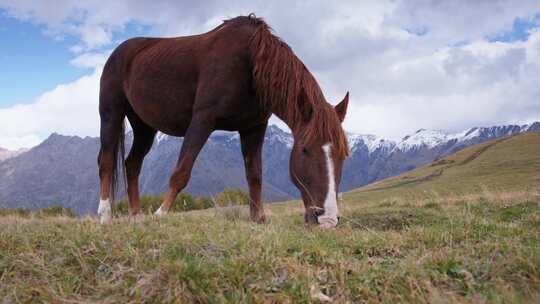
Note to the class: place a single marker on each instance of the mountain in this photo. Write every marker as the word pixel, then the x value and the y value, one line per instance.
pixel 5 154
pixel 62 169
pixel 503 165
pixel 374 158
pixel 220 165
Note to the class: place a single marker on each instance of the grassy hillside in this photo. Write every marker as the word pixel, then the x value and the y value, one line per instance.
pixel 504 165
pixel 468 234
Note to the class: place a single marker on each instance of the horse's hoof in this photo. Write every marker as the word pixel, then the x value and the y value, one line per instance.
pixel 259 219
pixel 137 218
pixel 104 211
pixel 160 211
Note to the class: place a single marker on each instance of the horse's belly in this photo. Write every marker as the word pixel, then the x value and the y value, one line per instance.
pixel 161 91
pixel 176 126
pixel 249 117
pixel 164 109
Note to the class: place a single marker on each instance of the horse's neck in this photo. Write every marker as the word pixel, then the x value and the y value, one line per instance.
pixel 295 127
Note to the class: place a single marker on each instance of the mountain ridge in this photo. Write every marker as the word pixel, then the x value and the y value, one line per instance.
pixel 6 154
pixel 63 169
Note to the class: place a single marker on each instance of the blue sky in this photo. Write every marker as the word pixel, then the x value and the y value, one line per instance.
pixel 520 30
pixel 404 62
pixel 34 61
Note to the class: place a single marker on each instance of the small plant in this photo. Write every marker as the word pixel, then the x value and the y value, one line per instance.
pixel 22 212
pixel 232 197
pixel 51 211
pixel 432 205
pixel 55 210
pixel 234 213
pixel 185 202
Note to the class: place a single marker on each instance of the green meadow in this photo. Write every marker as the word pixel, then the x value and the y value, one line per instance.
pixel 464 229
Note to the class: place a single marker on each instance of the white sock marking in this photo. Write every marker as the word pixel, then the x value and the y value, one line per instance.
pixel 104 211
pixel 329 218
pixel 160 211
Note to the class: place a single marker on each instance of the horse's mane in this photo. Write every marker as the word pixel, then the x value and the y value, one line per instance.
pixel 284 85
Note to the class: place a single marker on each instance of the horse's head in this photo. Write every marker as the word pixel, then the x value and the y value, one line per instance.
pixel 316 168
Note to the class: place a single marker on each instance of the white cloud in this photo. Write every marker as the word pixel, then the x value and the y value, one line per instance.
pixel 94 60
pixel 17 141
pixel 407 64
pixel 461 20
pixel 69 109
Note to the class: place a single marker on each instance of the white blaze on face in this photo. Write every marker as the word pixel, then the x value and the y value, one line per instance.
pixel 330 217
pixel 104 211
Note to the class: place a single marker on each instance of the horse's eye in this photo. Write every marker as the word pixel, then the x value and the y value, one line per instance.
pixel 305 151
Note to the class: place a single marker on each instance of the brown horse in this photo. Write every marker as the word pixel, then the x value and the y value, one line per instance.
pixel 231 78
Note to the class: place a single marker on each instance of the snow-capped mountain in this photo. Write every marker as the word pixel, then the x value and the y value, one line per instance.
pixel 371 142
pixel 422 139
pixel 430 139
pixel 63 169
pixel 374 158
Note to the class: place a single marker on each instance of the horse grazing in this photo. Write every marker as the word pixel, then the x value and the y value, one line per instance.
pixel 230 78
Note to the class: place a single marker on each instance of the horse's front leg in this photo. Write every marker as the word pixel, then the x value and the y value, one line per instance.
pixel 199 130
pixel 252 142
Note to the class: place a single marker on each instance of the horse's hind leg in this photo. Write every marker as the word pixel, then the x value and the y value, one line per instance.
pixel 199 130
pixel 143 137
pixel 112 106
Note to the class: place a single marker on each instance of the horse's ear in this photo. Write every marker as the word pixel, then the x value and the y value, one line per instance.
pixel 341 108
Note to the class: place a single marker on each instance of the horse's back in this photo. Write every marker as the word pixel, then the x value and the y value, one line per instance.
pixel 118 62
pixel 161 77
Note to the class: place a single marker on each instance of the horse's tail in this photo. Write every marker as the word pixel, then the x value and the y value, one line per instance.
pixel 112 111
pixel 118 170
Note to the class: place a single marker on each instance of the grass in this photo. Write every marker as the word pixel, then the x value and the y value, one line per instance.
pixel 54 210
pixel 472 246
pixel 504 165
pixel 185 202
pixel 476 250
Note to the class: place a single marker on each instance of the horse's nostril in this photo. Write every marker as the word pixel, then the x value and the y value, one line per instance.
pixel 316 218
pixel 311 217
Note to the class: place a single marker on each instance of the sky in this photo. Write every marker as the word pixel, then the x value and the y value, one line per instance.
pixel 445 65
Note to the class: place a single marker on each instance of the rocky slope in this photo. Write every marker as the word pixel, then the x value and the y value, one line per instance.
pixel 5 154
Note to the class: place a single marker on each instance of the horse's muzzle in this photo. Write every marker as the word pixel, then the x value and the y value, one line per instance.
pixel 311 217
